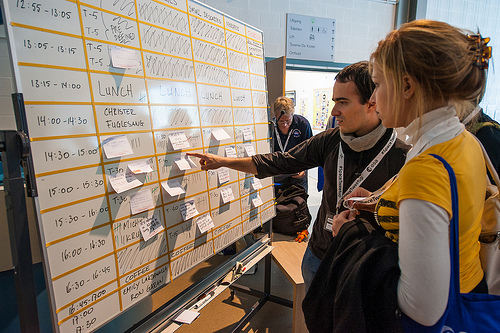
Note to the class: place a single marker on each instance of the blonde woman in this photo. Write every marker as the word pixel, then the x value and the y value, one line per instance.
pixel 425 74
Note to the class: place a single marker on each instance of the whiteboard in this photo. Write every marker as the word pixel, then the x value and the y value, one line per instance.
pixel 107 85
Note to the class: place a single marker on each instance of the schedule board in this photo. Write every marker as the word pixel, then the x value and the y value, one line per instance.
pixel 116 93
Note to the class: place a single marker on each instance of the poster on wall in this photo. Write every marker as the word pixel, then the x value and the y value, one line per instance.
pixel 322 107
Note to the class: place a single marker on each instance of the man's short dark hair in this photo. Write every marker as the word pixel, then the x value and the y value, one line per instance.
pixel 360 75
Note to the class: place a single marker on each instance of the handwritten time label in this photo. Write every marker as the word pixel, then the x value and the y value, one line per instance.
pixel 47 48
pixel 50 155
pixel 78 283
pixel 46 120
pixel 52 85
pixel 76 251
pixel 66 187
pixel 72 219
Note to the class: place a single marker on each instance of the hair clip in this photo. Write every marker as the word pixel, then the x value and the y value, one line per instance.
pixel 482 52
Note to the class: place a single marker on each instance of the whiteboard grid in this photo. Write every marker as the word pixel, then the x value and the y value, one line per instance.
pixel 195 70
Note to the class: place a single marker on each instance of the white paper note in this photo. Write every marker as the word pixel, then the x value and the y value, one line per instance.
pixel 223 174
pixel 122 182
pixel 188 210
pixel 141 201
pixel 219 134
pixel 227 194
pixel 230 152
pixel 187 317
pixel 140 167
pixel 173 187
pixel 256 200
pixel 256 184
pixel 184 162
pixel 247 133
pixel 178 140
pixel 122 57
pixel 204 222
pixel 249 150
pixel 117 146
pixel 150 226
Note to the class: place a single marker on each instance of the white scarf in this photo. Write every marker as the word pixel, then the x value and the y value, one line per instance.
pixel 364 142
pixel 438 126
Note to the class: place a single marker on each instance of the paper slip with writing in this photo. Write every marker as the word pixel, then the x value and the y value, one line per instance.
pixel 256 184
pixel 230 152
pixel 178 140
pixel 173 187
pixel 219 134
pixel 122 57
pixel 256 201
pixel 150 226
pixel 187 317
pixel 117 146
pixel 223 174
pixel 249 150
pixel 140 167
pixel 184 162
pixel 141 201
pixel 188 210
pixel 247 133
pixel 122 182
pixel 204 222
pixel 227 194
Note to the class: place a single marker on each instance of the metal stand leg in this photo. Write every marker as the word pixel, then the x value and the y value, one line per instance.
pixel 11 146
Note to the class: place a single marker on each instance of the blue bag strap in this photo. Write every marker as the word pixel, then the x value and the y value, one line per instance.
pixel 454 253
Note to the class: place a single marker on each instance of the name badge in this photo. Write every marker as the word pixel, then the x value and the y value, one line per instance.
pixel 329 221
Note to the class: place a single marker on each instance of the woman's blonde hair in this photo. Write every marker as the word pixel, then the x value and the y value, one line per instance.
pixel 283 103
pixel 438 57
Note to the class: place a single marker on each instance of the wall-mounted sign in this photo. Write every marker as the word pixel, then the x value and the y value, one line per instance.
pixel 309 38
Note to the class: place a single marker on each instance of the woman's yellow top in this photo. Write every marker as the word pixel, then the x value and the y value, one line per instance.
pixel 425 178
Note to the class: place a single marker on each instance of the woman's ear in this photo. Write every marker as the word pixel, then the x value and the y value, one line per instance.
pixel 408 86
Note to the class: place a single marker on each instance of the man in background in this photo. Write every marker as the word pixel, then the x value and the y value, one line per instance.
pixel 289 131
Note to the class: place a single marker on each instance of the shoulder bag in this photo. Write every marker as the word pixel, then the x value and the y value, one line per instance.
pixel 465 312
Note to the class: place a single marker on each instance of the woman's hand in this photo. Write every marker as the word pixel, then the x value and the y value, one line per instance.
pixel 360 192
pixel 299 175
pixel 341 218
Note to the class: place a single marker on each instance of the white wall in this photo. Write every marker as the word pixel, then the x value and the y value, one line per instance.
pixel 471 15
pixel 360 23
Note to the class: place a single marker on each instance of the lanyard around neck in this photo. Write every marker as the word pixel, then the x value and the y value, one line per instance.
pixel 278 137
pixel 368 170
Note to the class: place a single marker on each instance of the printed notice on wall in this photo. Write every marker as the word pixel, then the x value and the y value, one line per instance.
pixel 310 38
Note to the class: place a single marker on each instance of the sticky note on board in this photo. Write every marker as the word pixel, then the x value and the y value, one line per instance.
pixel 173 187
pixel 117 146
pixel 249 150
pixel 188 210
pixel 256 184
pixel 219 134
pixel 184 162
pixel 150 226
pixel 226 194
pixel 122 57
pixel 141 201
pixel 140 167
pixel 247 133
pixel 178 140
pixel 122 181
pixel 256 200
pixel 204 222
pixel 230 152
pixel 223 175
